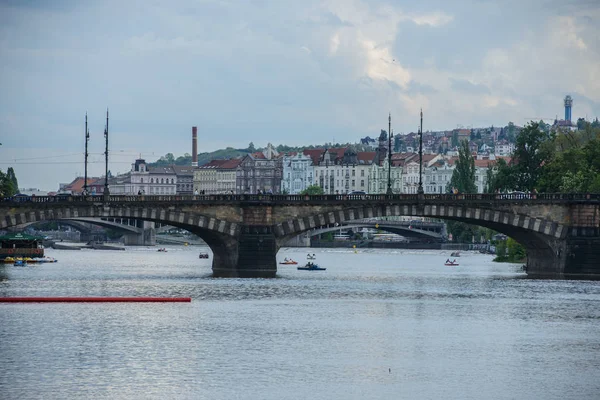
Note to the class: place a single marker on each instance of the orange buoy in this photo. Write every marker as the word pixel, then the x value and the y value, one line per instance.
pixel 95 299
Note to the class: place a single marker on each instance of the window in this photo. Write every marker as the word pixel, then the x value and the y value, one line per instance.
pixel 362 172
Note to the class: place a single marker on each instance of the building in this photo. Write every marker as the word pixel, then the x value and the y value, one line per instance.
pixel 185 179
pixel 297 174
pixel 144 179
pixel 260 171
pixel 205 177
pixel 226 176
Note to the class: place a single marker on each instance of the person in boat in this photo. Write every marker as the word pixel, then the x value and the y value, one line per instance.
pixel 447 261
pixel 286 259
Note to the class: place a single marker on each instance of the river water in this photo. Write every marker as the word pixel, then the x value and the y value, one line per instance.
pixel 377 324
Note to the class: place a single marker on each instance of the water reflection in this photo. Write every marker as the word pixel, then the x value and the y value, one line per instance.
pixel 395 324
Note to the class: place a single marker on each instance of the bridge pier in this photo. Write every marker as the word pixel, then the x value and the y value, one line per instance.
pixel 252 255
pixel 573 257
pixel 147 237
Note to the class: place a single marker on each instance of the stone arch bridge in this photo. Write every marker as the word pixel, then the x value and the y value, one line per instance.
pixel 560 232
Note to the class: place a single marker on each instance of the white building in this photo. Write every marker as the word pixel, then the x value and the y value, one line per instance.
pixel 343 171
pixel 378 177
pixel 144 179
pixel 504 148
pixel 298 173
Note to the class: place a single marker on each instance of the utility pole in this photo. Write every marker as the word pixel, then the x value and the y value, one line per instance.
pixel 420 188
pixel 389 185
pixel 87 138
pixel 106 193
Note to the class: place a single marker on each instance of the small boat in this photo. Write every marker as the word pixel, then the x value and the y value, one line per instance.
pixel 311 267
pixel 20 263
pixel 310 257
pixel 162 250
pixel 451 263
pixel 47 260
pixel 288 262
pixel 455 254
pixel 203 255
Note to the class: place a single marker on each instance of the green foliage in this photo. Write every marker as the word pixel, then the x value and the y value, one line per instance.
pixel 510 251
pixel 515 251
pixel 532 149
pixel 8 183
pixel 463 176
pixel 575 166
pixel 501 251
pixel 251 148
pixel 313 190
pixel 454 140
pixel 498 177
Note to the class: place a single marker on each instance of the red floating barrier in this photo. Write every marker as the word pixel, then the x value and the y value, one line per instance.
pixel 95 299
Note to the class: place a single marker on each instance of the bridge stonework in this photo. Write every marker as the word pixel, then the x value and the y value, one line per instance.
pixel 561 233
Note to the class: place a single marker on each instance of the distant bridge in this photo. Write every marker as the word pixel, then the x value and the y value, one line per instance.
pixel 416 229
pixel 561 232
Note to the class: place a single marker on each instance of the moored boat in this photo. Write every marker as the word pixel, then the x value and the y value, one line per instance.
pixel 21 245
pixel 203 255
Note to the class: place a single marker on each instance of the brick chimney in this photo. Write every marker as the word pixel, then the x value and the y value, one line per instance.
pixel 194 146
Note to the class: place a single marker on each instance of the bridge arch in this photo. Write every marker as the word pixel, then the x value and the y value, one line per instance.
pixel 541 237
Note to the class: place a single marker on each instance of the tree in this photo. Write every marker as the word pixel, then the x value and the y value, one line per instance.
pixel 454 140
pixel 532 149
pixel 511 132
pixel 312 190
pixel 10 175
pixel 498 177
pixel 581 123
pixel 463 176
pixel 251 148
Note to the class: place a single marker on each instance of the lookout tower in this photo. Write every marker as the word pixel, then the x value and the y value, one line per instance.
pixel 568 106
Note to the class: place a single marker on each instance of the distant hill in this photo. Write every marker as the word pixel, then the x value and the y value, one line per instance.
pixel 230 152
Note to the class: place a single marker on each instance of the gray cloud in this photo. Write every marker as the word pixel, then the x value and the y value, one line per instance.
pixel 465 86
pixel 280 72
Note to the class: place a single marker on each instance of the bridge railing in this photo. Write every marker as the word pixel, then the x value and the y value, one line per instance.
pixel 296 198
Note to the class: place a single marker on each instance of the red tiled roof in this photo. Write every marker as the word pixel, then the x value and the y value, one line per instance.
pixel 366 156
pixel 314 154
pixel 231 164
pixel 213 164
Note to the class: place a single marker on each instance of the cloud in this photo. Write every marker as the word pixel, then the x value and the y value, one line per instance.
pixel 279 72
pixel 464 85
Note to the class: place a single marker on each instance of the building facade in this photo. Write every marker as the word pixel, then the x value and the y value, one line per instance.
pixel 297 174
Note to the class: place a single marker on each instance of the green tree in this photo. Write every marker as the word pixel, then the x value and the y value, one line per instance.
pixel 463 176
pixel 12 177
pixel 532 149
pixel 498 177
pixel 515 251
pixel 251 148
pixel 7 185
pixel 312 190
pixel 454 140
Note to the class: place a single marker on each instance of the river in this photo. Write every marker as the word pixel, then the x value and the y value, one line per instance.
pixel 377 324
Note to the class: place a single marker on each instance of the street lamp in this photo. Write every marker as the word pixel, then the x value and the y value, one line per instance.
pixel 389 188
pixel 420 189
pixel 87 139
pixel 106 194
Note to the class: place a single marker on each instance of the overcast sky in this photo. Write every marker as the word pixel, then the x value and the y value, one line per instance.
pixel 281 72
